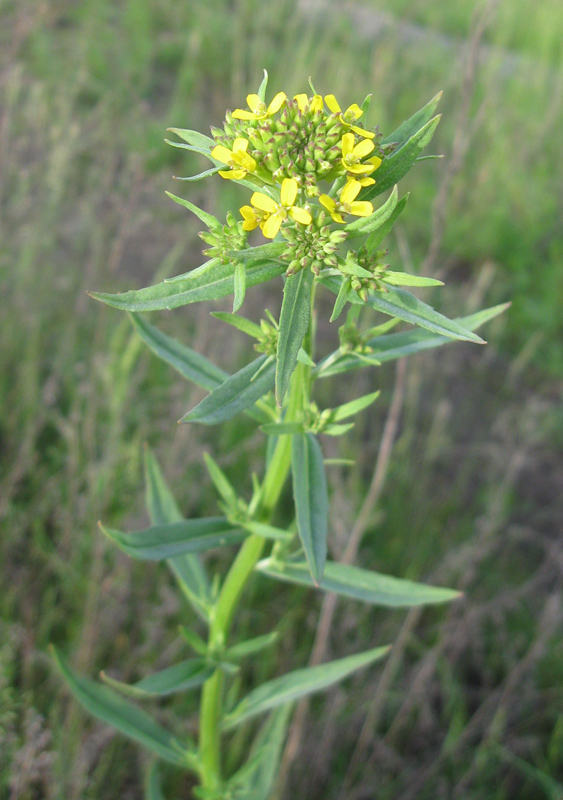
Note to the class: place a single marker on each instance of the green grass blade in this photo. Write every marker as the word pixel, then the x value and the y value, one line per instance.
pixel 294 323
pixel 211 281
pixel 164 541
pixel 186 361
pixel 311 500
pixel 108 706
pixel 238 393
pixel 298 684
pixel 179 678
pixel 360 584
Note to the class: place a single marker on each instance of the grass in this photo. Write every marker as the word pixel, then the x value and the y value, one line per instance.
pixel 472 496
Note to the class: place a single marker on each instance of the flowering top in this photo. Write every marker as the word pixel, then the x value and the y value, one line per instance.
pixel 258 109
pixel 237 158
pixel 270 215
pixel 351 115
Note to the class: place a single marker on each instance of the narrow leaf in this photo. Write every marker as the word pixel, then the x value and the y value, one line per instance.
pixel 268 531
pixel 207 219
pixel 153 790
pixel 406 279
pixel 396 165
pixel 376 237
pixel 178 678
pixel 165 541
pixel 186 361
pixel 262 88
pixel 337 430
pixel 298 684
pixel 186 568
pixel 108 706
pixel 365 225
pixel 239 392
pixel 195 642
pixel 251 646
pixel 311 500
pixel 194 137
pixel 220 481
pixel 408 128
pixel 282 428
pixel 271 250
pixel 342 298
pixel 360 584
pixel 211 281
pixel 239 283
pixel 294 323
pixel 201 175
pixel 353 407
pixel 241 323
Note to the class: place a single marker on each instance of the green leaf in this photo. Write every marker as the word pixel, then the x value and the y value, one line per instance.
pixel 251 646
pixel 268 251
pixel 396 345
pixel 365 225
pixel 211 281
pixel 408 128
pixel 311 500
pixel 108 706
pixel 262 88
pixel 395 166
pixel 153 790
pixel 186 361
pixel 282 428
pixel 405 306
pixel 294 324
pixel 194 137
pixel 220 481
pixel 239 282
pixel 195 642
pixel 239 392
pixel 304 358
pixel 267 531
pixel 406 279
pixel 337 430
pixel 360 584
pixel 165 541
pixel 240 323
pixel 201 175
pixel 342 298
pixel 376 237
pixel 298 684
pixel 186 568
pixel 179 678
pixel 353 407
pixel 255 779
pixel 207 219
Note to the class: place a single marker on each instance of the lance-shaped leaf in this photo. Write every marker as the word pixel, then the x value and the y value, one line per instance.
pixel 164 541
pixel 343 294
pixel 263 86
pixel 294 324
pixel 105 704
pixel 311 500
pixel 267 531
pixel 186 568
pixel 360 584
pixel 298 684
pixel 179 678
pixel 186 361
pixel 239 286
pixel 221 482
pixel 239 392
pixel 194 138
pixel 396 345
pixel 262 252
pixel 365 225
pixel 418 120
pixel 200 175
pixel 251 646
pixel 207 219
pixel 400 303
pixel 376 237
pixel 353 407
pixel 405 279
pixel 153 789
pixel 240 323
pixel 211 281
pixel 395 166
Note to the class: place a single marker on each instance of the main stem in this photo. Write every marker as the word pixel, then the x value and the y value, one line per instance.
pixel 239 575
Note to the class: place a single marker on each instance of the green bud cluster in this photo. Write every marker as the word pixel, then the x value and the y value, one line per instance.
pixel 372 263
pixel 313 246
pixel 268 342
pixel 352 340
pixel 224 239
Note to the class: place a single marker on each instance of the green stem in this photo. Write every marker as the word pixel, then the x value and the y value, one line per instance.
pixel 235 582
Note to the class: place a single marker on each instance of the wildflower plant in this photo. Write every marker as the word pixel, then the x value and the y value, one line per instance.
pixel 313 173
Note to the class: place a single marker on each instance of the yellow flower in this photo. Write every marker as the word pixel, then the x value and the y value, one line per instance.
pixel 347 203
pixel 258 109
pixel 313 103
pixel 237 159
pixel 352 113
pixel 352 155
pixel 270 215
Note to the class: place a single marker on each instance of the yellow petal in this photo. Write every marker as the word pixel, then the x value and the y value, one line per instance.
pixel 361 208
pixel 359 169
pixel 246 161
pixel 240 145
pixel 366 181
pixel 241 113
pixel 350 191
pixel 300 215
pixel 337 217
pixel 249 224
pixel 302 101
pixel 264 203
pixel 277 103
pixel 234 174
pixel 363 148
pixel 376 161
pixel 253 102
pixel 330 100
pixel 353 112
pixel 271 226
pixel 347 144
pixel 317 103
pixel 362 132
pixel 221 154
pixel 328 202
pixel 247 212
pixel 288 192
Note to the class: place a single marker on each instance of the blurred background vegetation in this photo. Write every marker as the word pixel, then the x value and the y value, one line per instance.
pixel 470 705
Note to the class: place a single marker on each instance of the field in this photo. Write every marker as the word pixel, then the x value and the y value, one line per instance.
pixel 466 490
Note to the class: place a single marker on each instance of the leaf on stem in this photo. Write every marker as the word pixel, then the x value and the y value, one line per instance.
pixel 178 678
pixel 311 500
pixel 294 324
pixel 207 219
